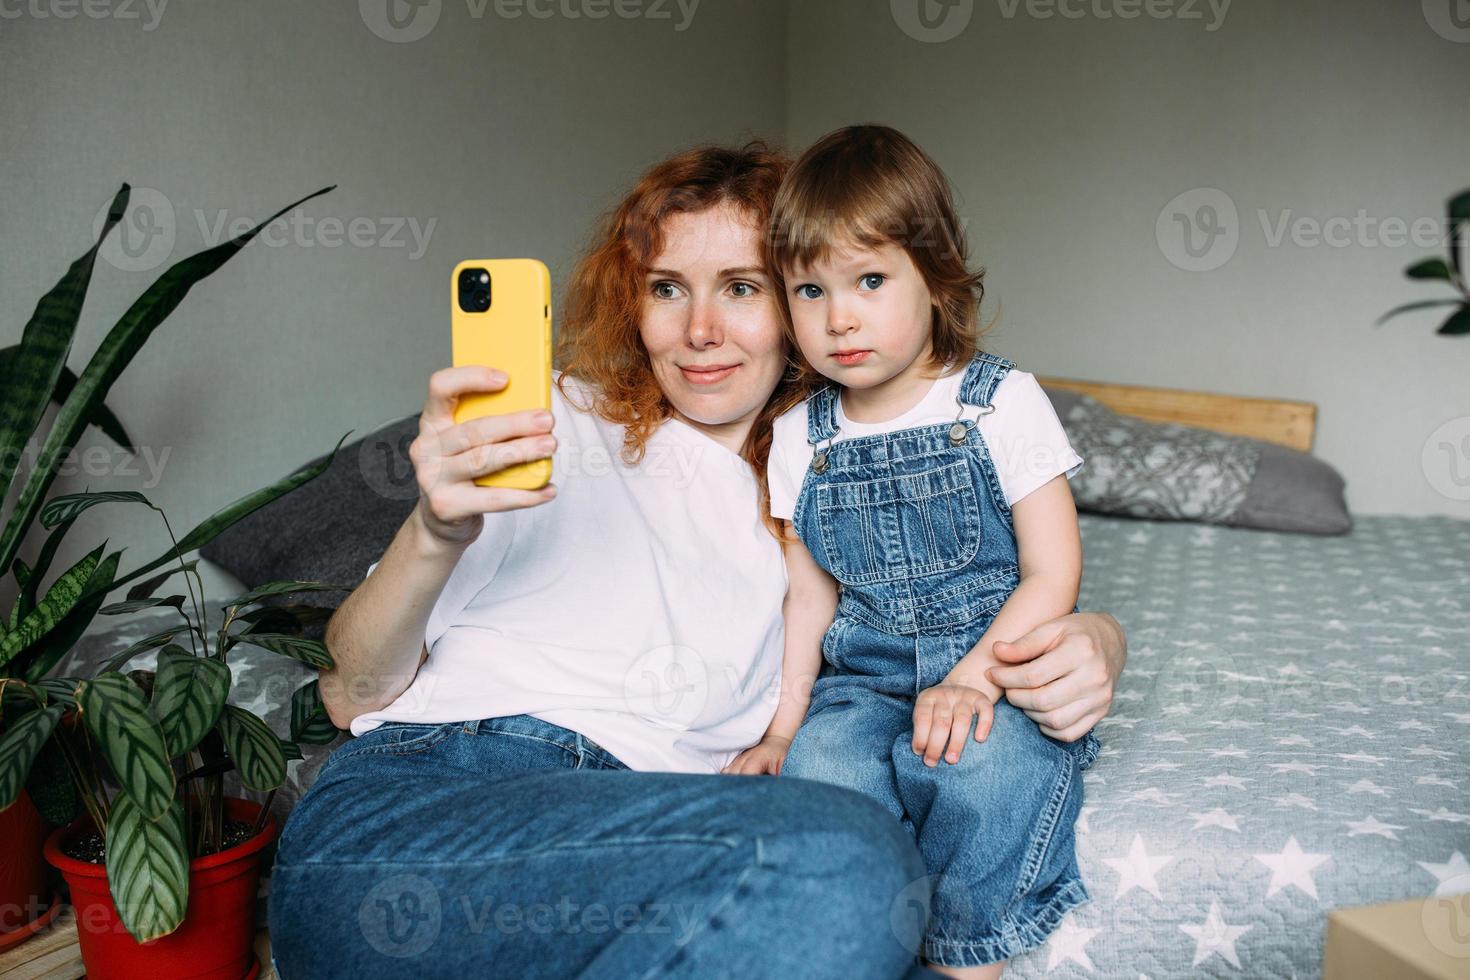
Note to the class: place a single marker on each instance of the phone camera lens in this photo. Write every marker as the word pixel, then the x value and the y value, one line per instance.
pixel 474 290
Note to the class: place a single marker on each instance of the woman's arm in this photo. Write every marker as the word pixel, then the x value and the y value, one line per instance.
pixel 1066 672
pixel 810 604
pixel 376 637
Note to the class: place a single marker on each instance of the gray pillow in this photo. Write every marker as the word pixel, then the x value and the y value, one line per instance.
pixel 331 528
pixel 1138 468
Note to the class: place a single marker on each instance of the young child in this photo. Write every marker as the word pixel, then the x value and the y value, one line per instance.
pixel 929 481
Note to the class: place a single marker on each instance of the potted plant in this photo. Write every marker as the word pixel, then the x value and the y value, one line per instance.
pixel 162 866
pixel 38 781
pixel 1452 272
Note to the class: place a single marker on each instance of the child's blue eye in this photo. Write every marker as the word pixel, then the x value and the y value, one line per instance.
pixel 664 289
pixel 808 291
pixel 873 280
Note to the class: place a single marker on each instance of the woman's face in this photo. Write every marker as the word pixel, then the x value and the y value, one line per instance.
pixel 710 322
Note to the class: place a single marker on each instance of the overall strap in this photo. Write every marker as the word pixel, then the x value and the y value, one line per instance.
pixel 985 372
pixel 821 415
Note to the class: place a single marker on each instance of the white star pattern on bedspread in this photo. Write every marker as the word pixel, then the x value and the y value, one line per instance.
pixel 1290 736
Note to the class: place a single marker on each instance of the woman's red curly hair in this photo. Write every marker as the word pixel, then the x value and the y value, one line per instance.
pixel 598 340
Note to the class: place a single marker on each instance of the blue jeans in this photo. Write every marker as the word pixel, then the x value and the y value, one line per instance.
pixel 996 829
pixel 513 847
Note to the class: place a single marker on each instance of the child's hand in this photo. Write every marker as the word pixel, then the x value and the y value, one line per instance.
pixel 942 715
pixel 761 759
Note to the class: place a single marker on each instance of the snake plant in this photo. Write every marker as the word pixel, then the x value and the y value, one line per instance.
pixel 143 753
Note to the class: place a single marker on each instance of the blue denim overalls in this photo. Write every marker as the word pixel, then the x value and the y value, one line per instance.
pixel 915 526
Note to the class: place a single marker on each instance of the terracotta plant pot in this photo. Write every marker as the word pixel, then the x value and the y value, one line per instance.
pixel 214 942
pixel 26 899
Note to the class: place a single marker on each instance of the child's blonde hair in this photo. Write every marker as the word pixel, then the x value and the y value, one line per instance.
pixel 868 186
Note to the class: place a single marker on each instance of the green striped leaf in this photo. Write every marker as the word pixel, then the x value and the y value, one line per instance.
pixel 62 690
pixel 111 358
pixel 60 598
pixel 118 716
pixel 36 661
pixel 69 506
pixel 147 867
pixel 313 653
pixel 290 749
pixel 254 747
pixel 147 643
pixel 294 616
pixel 65 382
pixel 133 605
pixel 188 694
pixel 19 746
pixel 29 377
pixel 27 600
pixel 283 588
pixel 309 720
pixel 146 588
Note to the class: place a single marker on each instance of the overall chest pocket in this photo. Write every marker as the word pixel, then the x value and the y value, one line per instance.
pixel 910 524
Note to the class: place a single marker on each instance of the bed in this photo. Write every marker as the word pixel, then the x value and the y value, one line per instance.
pixel 1289 736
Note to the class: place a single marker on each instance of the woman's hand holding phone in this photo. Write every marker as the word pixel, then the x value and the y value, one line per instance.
pixel 447 456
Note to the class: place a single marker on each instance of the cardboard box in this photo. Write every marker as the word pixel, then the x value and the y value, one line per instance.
pixel 1422 939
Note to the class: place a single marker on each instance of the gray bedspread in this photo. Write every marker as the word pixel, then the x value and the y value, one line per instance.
pixel 1290 736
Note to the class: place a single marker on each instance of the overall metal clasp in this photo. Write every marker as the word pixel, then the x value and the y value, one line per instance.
pixel 960 430
pixel 819 461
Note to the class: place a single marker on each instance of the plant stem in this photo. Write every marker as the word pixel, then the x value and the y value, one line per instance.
pixel 91 757
pixel 79 780
pixel 199 614
pixel 206 812
pixel 265 809
pixel 219 801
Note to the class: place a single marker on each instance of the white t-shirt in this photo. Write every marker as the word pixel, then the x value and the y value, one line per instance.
pixel 640 607
pixel 1024 435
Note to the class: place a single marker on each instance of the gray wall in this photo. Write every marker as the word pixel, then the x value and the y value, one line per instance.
pixel 510 135
pixel 491 135
pixel 1067 137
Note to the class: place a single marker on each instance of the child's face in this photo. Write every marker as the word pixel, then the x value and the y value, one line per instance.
pixel 862 315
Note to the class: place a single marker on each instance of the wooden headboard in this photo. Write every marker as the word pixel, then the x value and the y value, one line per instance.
pixel 1288 423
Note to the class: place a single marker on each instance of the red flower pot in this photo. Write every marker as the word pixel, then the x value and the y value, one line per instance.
pixel 26 901
pixel 214 942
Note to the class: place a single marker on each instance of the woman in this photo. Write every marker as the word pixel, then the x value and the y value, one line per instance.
pixel 540 797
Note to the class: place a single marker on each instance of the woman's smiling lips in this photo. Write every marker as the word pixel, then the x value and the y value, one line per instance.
pixel 851 357
pixel 708 374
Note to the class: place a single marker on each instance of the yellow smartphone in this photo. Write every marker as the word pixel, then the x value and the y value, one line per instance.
pixel 502 318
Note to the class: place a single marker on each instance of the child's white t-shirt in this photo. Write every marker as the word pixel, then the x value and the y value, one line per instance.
pixel 1024 435
pixel 640 607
